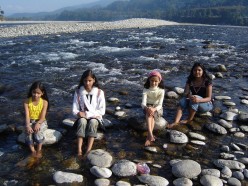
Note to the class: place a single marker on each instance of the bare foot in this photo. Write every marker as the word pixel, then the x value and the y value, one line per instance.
pixel 33 153
pixel 172 125
pixel 185 121
pixel 148 142
pixel 39 154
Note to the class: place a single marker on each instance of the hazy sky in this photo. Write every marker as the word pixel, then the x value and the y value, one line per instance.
pixel 23 6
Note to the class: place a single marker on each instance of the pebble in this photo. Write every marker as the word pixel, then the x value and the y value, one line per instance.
pixel 244 101
pixel 182 182
pixel 233 182
pixel 197 142
pixel 122 183
pixel 239 134
pixel 222 97
pixel 151 149
pixel 102 182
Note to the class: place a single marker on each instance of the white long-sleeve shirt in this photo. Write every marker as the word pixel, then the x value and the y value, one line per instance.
pixel 92 103
pixel 153 96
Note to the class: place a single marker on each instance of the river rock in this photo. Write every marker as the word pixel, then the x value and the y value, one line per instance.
pixel 239 175
pixel 137 121
pixel 222 97
pixel 209 180
pixel 153 180
pixel 222 68
pixel 235 147
pixel 100 172
pixel 172 95
pixel 244 101
pixel 225 123
pixel 225 148
pixel 229 103
pixel 229 116
pixel 151 149
pixel 243 160
pixel 186 168
pixel 233 182
pixel 179 90
pixel 100 158
pixel 178 137
pixel 232 164
pixel 198 142
pixel 112 99
pixel 239 134
pixel 69 122
pixel 243 117
pixel 219 75
pixel 212 172
pixel 66 177
pixel 246 173
pixel 120 113
pixel 226 172
pixel 102 182
pixel 216 128
pixel 197 136
pixel 122 183
pixel 227 155
pixel 3 127
pixel 51 136
pixel 124 168
pixel 182 182
pixel 244 128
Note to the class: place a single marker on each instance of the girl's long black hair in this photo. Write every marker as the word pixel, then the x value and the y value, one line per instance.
pixel 147 83
pixel 205 76
pixel 88 73
pixel 39 85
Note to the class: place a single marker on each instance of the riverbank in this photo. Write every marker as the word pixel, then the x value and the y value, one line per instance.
pixel 43 27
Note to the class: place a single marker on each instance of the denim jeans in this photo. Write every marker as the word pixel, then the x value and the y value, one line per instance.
pixel 185 103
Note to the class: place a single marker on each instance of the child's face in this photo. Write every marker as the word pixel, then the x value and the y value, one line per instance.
pixel 88 83
pixel 154 81
pixel 36 94
pixel 197 72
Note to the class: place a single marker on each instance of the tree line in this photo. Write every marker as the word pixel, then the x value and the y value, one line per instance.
pixel 228 12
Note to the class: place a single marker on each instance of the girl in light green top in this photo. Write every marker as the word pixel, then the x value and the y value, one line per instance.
pixel 152 102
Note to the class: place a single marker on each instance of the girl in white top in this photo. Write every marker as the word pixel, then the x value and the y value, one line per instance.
pixel 89 106
pixel 152 102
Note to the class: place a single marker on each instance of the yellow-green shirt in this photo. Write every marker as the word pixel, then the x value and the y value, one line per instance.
pixel 35 110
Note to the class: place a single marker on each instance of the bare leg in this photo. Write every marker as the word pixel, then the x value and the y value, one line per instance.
pixel 80 144
pixel 33 151
pixel 177 118
pixel 39 148
pixel 190 117
pixel 150 127
pixel 90 144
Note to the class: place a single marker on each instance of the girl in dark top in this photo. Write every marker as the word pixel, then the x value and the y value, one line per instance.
pixel 197 95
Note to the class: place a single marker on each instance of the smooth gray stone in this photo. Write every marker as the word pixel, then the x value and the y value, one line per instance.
pixel 232 164
pixel 102 182
pixel 66 177
pixel 182 182
pixel 197 136
pixel 153 180
pixel 100 158
pixel 239 175
pixel 178 137
pixel 226 172
pixel 209 180
pixel 186 168
pixel 124 168
pixel 233 182
pixel 212 172
pixel 216 128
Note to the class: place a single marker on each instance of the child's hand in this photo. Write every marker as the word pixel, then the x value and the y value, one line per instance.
pixel 82 114
pixel 29 130
pixel 37 127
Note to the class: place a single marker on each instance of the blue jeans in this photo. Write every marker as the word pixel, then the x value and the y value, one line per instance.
pixel 185 103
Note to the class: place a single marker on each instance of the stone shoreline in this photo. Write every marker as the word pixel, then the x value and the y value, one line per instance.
pixel 59 27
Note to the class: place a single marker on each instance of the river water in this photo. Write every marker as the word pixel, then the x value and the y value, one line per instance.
pixel 121 59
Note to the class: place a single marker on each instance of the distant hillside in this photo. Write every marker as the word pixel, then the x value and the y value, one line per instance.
pixel 228 12
pixel 54 14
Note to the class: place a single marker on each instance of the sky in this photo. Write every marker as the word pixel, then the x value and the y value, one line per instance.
pixel 31 6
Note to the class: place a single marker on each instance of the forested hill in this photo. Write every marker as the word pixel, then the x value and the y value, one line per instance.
pixel 228 12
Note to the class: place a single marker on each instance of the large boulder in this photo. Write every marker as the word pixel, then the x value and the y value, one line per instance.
pixel 186 169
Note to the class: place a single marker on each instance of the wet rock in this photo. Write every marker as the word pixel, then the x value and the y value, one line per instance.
pixel 222 68
pixel 235 147
pixel 174 161
pixel 120 114
pixel 182 182
pixel 69 122
pixel 71 164
pixel 66 177
pixel 227 155
pixel 244 101
pixel 239 175
pixel 209 180
pixel 243 160
pixel 229 103
pixel 112 99
pixel 186 168
pixel 212 172
pixel 216 128
pixel 222 97
pixel 102 182
pixel 229 116
pixel 51 136
pixel 231 164
pixel 243 117
pixel 100 158
pixel 239 134
pixel 117 108
pixel 225 148
pixel 225 124
pixel 3 127
pixel 244 128
pixel 100 172
pixel 179 90
pixel 233 182
pixel 124 168
pixel 122 183
pixel 226 172
pixel 172 95
pixel 178 137
pixel 197 142
pixel 128 105
pixel 153 180
pixel 151 149
pixel 246 173
pixel 197 136
pixel 219 75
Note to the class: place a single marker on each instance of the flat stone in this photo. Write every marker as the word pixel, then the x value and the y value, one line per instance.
pixel 100 158
pixel 225 124
pixel 231 164
pixel 212 172
pixel 198 142
pixel 229 116
pixel 124 168
pixel 222 97
pixel 244 101
pixel 100 172
pixel 239 134
pixel 66 177
pixel 122 183
pixel 178 137
pixel 102 182
pixel 216 128
pixel 197 136
pixel 209 180
pixel 233 182
pixel 186 168
pixel 182 182
pixel 153 180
